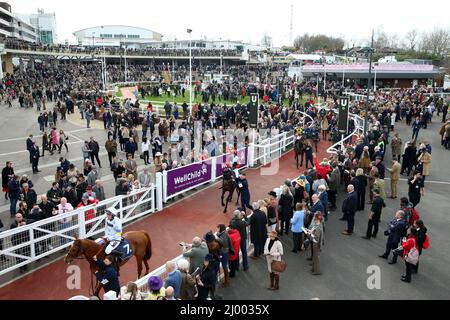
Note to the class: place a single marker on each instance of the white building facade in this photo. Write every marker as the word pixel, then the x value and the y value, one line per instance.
pixel 13 27
pixel 45 25
pixel 115 35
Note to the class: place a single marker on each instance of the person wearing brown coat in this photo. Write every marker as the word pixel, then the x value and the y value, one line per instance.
pixel 396 146
pixel 395 176
pixel 364 162
pixel 371 181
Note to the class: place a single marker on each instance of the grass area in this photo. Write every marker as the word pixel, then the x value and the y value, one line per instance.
pixel 179 99
pixel 118 93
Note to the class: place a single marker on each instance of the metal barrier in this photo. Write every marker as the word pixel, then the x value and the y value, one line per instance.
pixel 271 148
pixel 29 243
pixel 359 131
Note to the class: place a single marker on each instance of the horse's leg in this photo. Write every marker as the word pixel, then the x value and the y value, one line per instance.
pixel 223 193
pixel 226 203
pixel 98 287
pixel 316 143
pixel 296 158
pixel 238 192
pixel 139 266
pixel 302 155
pixel 147 268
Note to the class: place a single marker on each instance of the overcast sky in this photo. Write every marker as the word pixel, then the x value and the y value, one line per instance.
pixel 245 20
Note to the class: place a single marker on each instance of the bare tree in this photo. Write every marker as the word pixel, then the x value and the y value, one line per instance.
pixel 412 37
pixel 437 42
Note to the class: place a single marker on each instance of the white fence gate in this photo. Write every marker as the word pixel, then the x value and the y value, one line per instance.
pixel 26 244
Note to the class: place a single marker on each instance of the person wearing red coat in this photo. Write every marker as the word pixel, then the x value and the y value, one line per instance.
pixel 407 246
pixel 321 170
pixel 89 214
pixel 233 259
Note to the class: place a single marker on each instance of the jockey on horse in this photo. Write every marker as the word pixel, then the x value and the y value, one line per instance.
pixel 113 233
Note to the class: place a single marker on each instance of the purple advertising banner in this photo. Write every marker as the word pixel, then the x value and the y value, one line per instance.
pixel 228 158
pixel 188 176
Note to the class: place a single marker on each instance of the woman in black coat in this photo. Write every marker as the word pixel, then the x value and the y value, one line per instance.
pixel 409 158
pixel 108 275
pixel 362 185
pixel 420 239
pixel 7 174
pixel 285 210
pixel 207 278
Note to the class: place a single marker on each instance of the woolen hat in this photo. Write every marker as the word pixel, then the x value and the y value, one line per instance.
pixel 154 283
pixel 209 237
pixel 273 194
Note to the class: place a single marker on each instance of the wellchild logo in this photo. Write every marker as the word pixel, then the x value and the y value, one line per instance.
pixel 204 169
pixel 189 176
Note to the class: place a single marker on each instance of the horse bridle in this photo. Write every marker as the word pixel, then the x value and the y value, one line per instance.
pixel 78 254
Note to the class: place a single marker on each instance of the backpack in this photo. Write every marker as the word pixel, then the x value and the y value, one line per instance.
pixel 413 255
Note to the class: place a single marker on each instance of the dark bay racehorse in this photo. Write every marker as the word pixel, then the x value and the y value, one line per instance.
pixel 140 243
pixel 228 185
pixel 299 147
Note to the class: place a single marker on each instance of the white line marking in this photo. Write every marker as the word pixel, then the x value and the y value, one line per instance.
pixel 40 136
pixel 26 151
pixel 426 181
pixel 55 164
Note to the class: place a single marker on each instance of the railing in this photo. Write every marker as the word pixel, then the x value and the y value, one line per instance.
pixel 271 148
pixel 359 131
pixel 180 180
pixel 26 244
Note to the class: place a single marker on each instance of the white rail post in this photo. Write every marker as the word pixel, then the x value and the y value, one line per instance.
pixel 164 186
pixel 32 248
pixel 213 168
pixel 81 224
pixel 251 155
pixel 159 191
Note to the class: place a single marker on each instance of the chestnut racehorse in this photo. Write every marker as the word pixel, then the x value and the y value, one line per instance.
pixel 140 243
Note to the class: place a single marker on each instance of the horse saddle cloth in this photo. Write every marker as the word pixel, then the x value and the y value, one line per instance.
pixel 123 251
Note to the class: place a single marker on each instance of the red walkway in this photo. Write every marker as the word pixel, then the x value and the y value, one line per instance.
pixel 182 221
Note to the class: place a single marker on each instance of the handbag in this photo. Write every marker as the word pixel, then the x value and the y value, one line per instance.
pixel 141 156
pixel 278 266
pixel 412 256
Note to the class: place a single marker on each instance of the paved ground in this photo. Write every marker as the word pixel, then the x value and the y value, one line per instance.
pixel 344 260
pixel 15 126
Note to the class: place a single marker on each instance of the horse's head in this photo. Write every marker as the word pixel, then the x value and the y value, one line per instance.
pixel 75 251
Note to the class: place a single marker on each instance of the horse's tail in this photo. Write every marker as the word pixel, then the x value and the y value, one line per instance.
pixel 148 249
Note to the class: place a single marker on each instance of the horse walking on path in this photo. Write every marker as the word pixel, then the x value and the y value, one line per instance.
pixel 140 243
pixel 228 185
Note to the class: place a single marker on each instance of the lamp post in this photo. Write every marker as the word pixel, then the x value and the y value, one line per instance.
pixel 375 80
pixel 221 59
pixel 190 70
pixel 103 60
pixel 324 82
pixel 125 60
pixel 369 87
pixel 317 86
pixel 93 38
